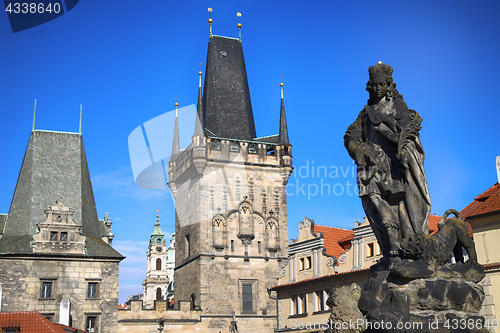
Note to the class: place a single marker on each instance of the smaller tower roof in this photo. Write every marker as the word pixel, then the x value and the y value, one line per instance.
pixel 157 237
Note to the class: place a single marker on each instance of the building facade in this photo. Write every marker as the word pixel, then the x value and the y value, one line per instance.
pixel 483 214
pixel 55 254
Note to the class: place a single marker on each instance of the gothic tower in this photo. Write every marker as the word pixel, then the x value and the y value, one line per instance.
pixel 157 276
pixel 230 193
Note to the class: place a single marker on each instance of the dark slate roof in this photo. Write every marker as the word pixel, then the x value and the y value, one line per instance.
pixel 269 139
pixel 54 165
pixel 3 219
pixel 283 137
pixel 227 109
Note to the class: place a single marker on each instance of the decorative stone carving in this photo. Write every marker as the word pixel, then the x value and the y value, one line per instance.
pixel 283 272
pixel 329 262
pixel 342 259
pixel 59 233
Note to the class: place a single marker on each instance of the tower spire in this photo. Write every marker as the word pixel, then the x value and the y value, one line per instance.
pixel 198 126
pixel 80 128
pixel 175 143
pixel 283 136
pixel 210 20
pixel 239 25
pixel 34 118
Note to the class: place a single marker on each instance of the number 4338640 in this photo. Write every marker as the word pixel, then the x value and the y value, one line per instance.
pixel 24 8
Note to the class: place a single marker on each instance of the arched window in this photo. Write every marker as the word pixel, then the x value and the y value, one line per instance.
pixel 158 294
pixel 158 264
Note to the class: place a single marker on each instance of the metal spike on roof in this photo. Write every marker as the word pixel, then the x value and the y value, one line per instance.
pixel 283 137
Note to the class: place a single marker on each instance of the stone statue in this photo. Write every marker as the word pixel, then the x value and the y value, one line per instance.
pixel 384 143
pixel 343 303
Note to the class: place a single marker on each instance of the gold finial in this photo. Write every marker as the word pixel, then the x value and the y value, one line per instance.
pixel 176 105
pixel 210 20
pixel 281 85
pixel 157 211
pixel 379 62
pixel 239 25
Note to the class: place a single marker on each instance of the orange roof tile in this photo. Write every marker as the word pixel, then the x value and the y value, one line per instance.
pixel 487 202
pixel 332 237
pixel 28 321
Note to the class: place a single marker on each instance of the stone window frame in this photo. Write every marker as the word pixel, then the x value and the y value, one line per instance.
pixel 253 283
pixel 97 283
pixel 94 318
pixel 47 281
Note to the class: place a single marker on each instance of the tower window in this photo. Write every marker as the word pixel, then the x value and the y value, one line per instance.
pixel 223 53
pixel 258 247
pixel 235 149
pixel 158 264
pixel 91 324
pixel 158 294
pixel 232 245
pixel 92 290
pixel 47 287
pixel 64 236
pixel 246 291
pixel 53 235
pixel 193 304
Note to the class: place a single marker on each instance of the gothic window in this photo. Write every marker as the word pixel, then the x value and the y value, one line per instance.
pixel 47 289
pixel 92 290
pixel 158 264
pixel 232 245
pixel 258 247
pixel 91 324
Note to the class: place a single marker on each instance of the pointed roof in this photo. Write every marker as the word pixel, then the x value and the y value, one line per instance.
pixel 198 126
pixel 227 109
pixel 55 164
pixel 29 321
pixel 175 142
pixel 283 136
pixel 157 233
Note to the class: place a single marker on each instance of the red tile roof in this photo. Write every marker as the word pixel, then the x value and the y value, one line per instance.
pixel 332 237
pixel 487 202
pixel 28 321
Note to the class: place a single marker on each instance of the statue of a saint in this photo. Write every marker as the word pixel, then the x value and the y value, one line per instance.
pixel 384 143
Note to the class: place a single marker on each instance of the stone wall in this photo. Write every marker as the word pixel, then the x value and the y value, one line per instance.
pixel 22 279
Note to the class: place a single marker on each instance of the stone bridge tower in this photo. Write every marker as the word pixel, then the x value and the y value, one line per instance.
pixel 230 193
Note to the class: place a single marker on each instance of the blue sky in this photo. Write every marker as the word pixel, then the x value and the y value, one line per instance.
pixel 126 62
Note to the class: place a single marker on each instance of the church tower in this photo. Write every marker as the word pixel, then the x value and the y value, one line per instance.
pixel 229 188
pixel 157 276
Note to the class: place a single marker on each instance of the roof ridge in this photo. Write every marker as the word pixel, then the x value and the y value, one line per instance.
pixel 327 226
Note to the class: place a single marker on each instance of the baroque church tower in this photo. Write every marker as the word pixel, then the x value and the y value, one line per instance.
pixel 159 273
pixel 229 188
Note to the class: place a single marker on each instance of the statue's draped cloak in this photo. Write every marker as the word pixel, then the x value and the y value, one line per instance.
pixel 385 128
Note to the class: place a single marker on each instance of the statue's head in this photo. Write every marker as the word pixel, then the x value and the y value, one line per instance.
pixel 381 83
